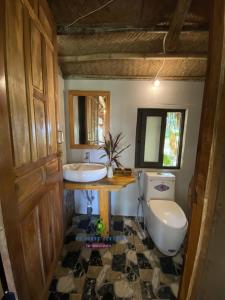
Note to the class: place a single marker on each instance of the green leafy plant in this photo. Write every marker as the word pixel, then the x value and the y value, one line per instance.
pixel 113 149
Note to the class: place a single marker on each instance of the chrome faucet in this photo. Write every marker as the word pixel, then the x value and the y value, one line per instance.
pixel 87 157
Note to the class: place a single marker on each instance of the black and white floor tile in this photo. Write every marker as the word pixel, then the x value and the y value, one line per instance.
pixel 132 268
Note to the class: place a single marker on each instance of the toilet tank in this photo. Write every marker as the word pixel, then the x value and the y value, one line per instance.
pixel 159 185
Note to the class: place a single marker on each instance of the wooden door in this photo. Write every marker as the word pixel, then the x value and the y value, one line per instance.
pixel 31 173
pixel 211 98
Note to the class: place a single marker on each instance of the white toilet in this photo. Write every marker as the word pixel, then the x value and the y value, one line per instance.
pixel 164 218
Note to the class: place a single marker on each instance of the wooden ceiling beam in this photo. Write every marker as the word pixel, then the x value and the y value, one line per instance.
pixel 118 56
pixel 135 77
pixel 87 29
pixel 177 24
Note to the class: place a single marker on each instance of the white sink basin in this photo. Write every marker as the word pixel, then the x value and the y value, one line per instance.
pixel 84 172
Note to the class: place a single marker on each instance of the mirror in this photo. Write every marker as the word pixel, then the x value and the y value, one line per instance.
pixel 88 118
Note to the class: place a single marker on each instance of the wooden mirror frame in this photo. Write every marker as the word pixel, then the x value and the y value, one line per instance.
pixel 71 95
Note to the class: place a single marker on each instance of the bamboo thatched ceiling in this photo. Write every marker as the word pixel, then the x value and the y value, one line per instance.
pixel 125 38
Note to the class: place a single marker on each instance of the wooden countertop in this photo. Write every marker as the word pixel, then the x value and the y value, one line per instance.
pixel 116 183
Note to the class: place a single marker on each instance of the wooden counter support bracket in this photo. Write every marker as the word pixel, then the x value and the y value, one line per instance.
pixel 104 210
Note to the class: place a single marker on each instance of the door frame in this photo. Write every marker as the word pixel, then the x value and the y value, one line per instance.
pixel 212 132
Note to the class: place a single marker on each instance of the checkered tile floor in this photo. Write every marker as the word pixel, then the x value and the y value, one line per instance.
pixel 132 268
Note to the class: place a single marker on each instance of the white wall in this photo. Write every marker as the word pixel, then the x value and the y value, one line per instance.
pixel 126 97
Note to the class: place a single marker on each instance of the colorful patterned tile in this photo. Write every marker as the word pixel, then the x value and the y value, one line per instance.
pixel 70 259
pixel 131 246
pixel 131 256
pixel 89 289
pixel 167 265
pixel 117 218
pixel 138 241
pixel 53 285
pixel 85 254
pixel 107 257
pixel 119 262
pixel 123 289
pixel 175 288
pixel 143 262
pixel 152 258
pixel 79 284
pixel 106 290
pixel 74 246
pixel 60 271
pixel 118 248
pixel 146 289
pixel 84 266
pixel 129 230
pixel 131 239
pixel 146 274
pixel 69 238
pixel 166 293
pixel 75 297
pixel 58 296
pixel 95 258
pixel 113 276
pixel 66 284
pixel 167 279
pixel 148 242
pixel 140 247
pixel 118 225
pixel 137 290
pixel 93 271
pixel 132 272
pixel 80 268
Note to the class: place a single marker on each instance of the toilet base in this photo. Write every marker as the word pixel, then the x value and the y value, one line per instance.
pixel 168 240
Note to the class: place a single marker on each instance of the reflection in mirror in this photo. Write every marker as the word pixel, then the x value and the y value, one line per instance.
pixel 89 118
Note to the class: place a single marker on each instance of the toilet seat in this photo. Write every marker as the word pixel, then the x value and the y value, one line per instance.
pixel 168 212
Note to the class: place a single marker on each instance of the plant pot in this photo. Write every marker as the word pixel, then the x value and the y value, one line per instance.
pixel 109 171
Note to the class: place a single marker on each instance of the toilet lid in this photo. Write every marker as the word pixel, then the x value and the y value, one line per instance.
pixel 169 212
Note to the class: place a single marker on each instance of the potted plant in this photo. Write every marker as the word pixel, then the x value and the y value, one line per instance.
pixel 113 149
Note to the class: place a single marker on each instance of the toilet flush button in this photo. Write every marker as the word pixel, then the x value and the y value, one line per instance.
pixel 161 187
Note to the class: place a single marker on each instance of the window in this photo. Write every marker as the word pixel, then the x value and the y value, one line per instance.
pixel 159 137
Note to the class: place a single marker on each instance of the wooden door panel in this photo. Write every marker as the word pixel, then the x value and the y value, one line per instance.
pixel 45 18
pixel 34 4
pixel 30 236
pixel 40 125
pixel 29 184
pixel 37 58
pixel 57 212
pixel 16 83
pixel 47 232
pixel 52 168
pixel 34 229
pixel 52 141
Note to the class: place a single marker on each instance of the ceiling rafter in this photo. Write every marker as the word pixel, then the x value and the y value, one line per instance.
pixel 135 56
pixel 177 23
